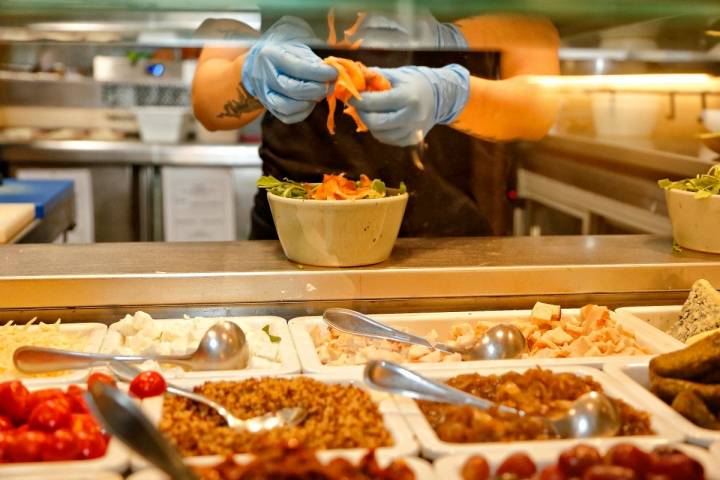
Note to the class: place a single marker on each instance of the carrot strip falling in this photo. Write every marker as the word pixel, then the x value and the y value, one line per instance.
pixel 337 187
pixel 353 78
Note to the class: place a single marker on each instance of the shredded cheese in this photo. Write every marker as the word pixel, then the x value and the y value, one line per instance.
pixel 39 335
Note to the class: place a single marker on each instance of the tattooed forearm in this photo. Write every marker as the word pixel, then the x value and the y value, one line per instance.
pixel 237 107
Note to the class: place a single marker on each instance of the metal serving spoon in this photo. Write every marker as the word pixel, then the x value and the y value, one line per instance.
pixel 223 347
pixel 500 341
pixel 591 415
pixel 283 417
pixel 124 420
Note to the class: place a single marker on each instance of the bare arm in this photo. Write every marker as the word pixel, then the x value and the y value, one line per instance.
pixel 219 100
pixel 511 108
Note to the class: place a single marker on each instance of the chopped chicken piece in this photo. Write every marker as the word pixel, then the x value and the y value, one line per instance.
pixel 546 312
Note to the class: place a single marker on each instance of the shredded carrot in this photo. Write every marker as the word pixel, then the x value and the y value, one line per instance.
pixel 346 42
pixel 337 187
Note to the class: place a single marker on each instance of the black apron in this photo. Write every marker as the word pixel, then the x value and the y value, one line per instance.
pixel 458 193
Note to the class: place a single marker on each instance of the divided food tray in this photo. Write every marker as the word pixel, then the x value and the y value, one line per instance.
pixel 432 447
pixel 634 378
pixel 422 469
pixel 450 467
pixel 114 460
pixel 422 323
pixel 404 442
pixel 661 318
pixel 278 326
pixel 94 332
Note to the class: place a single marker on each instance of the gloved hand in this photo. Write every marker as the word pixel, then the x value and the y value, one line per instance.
pixel 284 74
pixel 420 98
pixel 422 30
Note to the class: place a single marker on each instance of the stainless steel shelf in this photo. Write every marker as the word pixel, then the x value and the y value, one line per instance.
pixel 137 153
pixel 440 272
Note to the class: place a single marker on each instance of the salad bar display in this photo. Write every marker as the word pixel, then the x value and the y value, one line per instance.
pixel 592 387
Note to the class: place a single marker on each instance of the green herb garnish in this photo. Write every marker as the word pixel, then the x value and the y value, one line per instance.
pixel 403 188
pixel 285 188
pixel 703 185
pixel 273 338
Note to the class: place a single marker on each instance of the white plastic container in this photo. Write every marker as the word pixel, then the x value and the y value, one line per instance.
pixel 163 124
pixel 695 221
pixel 423 323
pixel 94 333
pixel 450 468
pixel 115 459
pixel 289 362
pixel 338 233
pixel 422 469
pixel 432 447
pixel 634 377
pixel 660 317
pixel 404 443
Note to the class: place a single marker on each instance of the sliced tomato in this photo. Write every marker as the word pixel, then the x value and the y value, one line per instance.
pixel 6 424
pixel 76 396
pixel 91 444
pixel 13 401
pixel 50 415
pixel 84 422
pixel 28 446
pixel 40 396
pixel 148 384
pixel 6 439
pixel 63 444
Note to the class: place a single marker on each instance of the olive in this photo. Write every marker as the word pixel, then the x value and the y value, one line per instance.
pixel 574 461
pixel 629 456
pixel 519 464
pixel 609 472
pixel 552 472
pixel 476 468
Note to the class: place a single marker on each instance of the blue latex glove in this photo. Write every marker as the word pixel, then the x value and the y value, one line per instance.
pixel 420 98
pixel 421 30
pixel 284 74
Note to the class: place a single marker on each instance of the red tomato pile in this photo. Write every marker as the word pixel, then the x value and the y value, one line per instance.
pixel 583 462
pixel 47 425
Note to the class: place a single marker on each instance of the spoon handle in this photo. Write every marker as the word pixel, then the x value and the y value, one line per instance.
pixel 129 424
pixel 127 373
pixel 356 323
pixel 42 359
pixel 391 377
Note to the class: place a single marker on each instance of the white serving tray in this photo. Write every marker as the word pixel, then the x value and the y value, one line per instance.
pixel 449 468
pixel 278 326
pixel 432 447
pixel 115 459
pixel 422 469
pixel 661 318
pixel 423 323
pixel 95 333
pixel 634 377
pixel 404 442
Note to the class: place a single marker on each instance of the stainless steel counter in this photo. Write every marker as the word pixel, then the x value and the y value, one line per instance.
pixel 423 274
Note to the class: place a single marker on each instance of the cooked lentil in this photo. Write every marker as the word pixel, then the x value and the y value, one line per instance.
pixel 538 392
pixel 339 416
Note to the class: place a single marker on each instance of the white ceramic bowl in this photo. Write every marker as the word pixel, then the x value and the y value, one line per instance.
pixel 695 222
pixel 339 233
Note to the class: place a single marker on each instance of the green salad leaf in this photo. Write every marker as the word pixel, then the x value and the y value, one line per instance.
pixel 282 188
pixel 703 185
pixel 273 338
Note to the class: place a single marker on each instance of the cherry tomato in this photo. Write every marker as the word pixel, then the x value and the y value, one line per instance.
pixel 91 444
pixel 629 456
pixel 609 472
pixel 50 415
pixel 75 395
pixel 40 396
pixel 13 401
pixel 102 378
pixel 676 464
pixel 476 468
pixel 6 423
pixel 28 446
pixel 61 445
pixel 518 464
pixel 148 384
pixel 574 461
pixel 84 422
pixel 6 439
pixel 552 472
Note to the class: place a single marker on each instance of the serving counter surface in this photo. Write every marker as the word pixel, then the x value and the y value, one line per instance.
pixel 422 274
